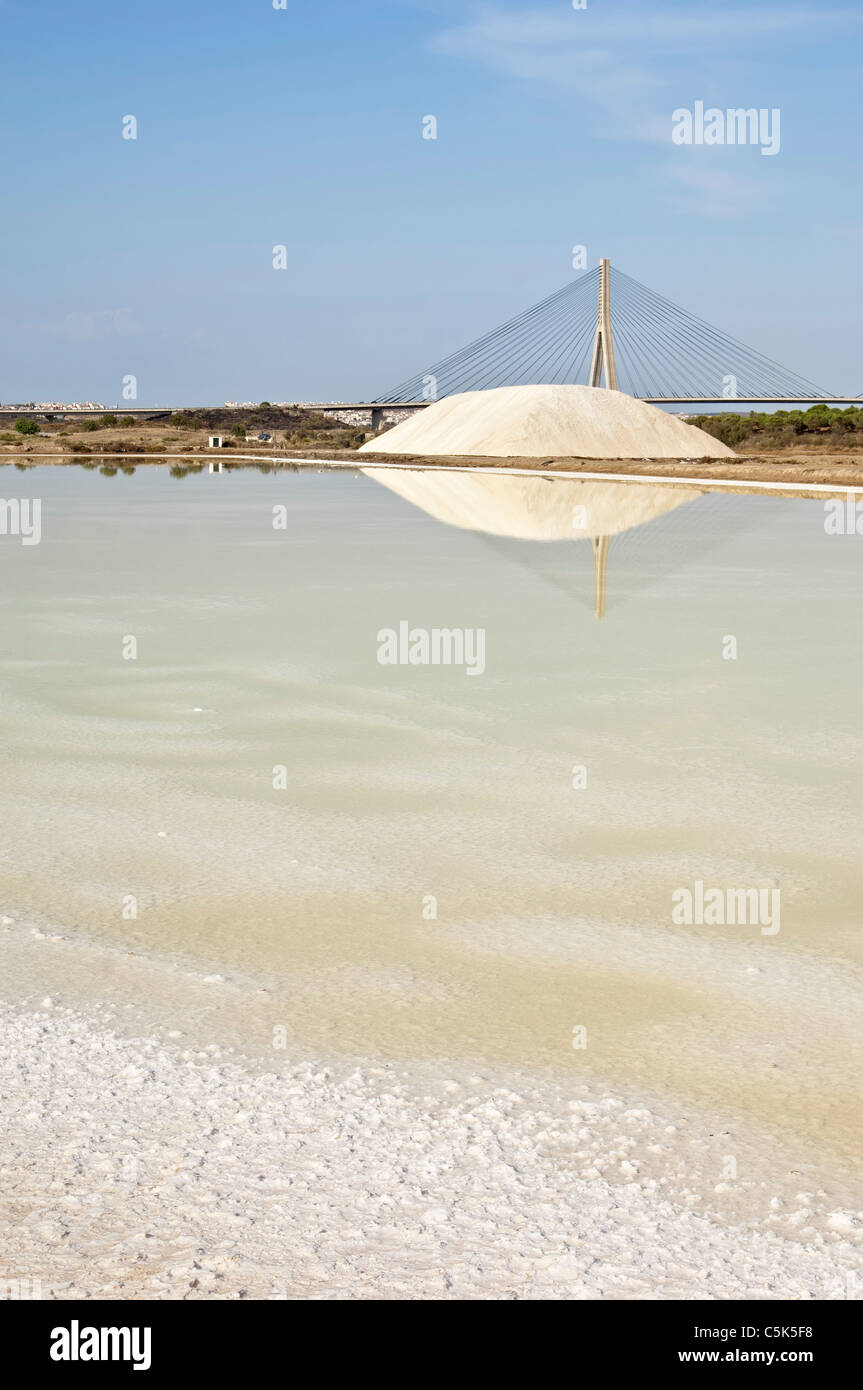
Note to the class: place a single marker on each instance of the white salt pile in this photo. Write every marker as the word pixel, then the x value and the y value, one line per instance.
pixel 562 421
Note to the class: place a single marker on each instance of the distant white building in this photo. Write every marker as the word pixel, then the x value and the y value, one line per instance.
pixel 216 441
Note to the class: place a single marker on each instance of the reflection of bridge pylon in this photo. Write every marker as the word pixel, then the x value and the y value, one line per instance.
pixel 603 343
pixel 600 563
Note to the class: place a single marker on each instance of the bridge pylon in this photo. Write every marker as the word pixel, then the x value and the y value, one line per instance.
pixel 603 342
pixel 654 351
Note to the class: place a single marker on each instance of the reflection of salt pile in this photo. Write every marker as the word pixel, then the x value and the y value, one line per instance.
pixel 529 421
pixel 535 508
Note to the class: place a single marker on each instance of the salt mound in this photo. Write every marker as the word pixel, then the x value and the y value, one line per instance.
pixel 562 421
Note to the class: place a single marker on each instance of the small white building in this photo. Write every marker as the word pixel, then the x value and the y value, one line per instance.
pixel 216 441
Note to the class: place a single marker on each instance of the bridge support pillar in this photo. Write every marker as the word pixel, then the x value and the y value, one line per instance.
pixel 603 342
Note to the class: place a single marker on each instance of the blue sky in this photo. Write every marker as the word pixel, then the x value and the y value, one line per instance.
pixel 303 127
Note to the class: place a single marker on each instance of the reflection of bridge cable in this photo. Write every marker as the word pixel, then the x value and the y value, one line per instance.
pixel 660 350
pixel 639 559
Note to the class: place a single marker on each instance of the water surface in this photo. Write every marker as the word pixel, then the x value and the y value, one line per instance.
pixel 429 882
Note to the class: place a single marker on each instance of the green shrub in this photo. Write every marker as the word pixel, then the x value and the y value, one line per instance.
pixel 26 426
pixel 781 426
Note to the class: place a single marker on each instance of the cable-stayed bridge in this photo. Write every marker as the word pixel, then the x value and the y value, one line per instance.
pixel 606 328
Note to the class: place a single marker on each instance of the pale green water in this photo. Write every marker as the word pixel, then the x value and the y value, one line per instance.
pixel 553 904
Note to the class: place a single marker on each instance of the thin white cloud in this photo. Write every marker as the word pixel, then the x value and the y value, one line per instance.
pixel 718 193
pixel 497 30
pixel 85 324
pixel 627 67
pixel 622 93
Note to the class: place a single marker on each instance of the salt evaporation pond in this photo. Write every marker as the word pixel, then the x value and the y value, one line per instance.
pixel 425 880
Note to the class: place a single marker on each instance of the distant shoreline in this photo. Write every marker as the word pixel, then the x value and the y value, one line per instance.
pixel 794 474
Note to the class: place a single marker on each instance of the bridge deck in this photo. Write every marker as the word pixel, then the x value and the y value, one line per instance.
pixel 154 410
